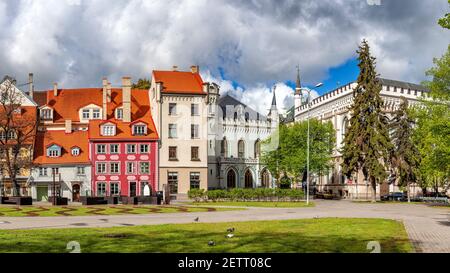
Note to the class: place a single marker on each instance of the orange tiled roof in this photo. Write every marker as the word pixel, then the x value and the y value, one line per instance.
pixel 180 82
pixel 25 120
pixel 66 141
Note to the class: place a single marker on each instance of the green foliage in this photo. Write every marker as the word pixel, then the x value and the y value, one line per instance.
pixel 366 143
pixel 290 156
pixel 239 194
pixel 196 194
pixel 445 21
pixel 142 84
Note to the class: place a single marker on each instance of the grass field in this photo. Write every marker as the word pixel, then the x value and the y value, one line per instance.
pixel 256 204
pixel 305 235
pixel 14 211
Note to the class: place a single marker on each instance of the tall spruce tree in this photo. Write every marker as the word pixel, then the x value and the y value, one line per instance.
pixel 366 142
pixel 405 155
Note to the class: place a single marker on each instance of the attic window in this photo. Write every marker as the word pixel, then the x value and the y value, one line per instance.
pixel 108 130
pixel 119 113
pixel 46 114
pixel 75 151
pixel 54 151
pixel 139 130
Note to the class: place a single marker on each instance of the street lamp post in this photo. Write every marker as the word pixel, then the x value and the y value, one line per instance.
pixel 307 140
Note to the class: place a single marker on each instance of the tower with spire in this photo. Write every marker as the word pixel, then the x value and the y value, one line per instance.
pixel 298 90
pixel 273 112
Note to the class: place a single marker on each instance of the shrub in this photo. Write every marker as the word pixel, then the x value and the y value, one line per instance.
pixel 196 194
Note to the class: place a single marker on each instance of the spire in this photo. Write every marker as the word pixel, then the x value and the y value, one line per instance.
pixel 274 99
pixel 298 83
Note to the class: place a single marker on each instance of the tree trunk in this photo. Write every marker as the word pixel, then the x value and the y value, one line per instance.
pixel 408 192
pixel 373 183
pixel 16 187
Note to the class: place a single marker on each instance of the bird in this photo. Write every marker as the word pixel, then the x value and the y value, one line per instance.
pixel 230 230
pixel 196 219
pixel 211 243
pixel 230 235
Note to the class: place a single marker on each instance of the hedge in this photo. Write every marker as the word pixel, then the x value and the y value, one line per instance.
pixel 237 194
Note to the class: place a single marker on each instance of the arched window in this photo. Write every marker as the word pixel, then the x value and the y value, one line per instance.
pixel 344 127
pixel 231 179
pixel 241 149
pixel 265 179
pixel 257 148
pixel 224 147
pixel 248 179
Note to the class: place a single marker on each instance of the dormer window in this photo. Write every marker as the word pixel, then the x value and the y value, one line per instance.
pixel 96 113
pixel 75 151
pixel 54 151
pixel 119 113
pixel 86 114
pixel 91 111
pixel 108 129
pixel 47 114
pixel 139 129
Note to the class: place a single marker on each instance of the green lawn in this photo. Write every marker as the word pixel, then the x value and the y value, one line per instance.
pixel 306 235
pixel 256 204
pixel 11 211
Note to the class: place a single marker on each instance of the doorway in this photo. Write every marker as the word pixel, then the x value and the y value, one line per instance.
pixel 132 189
pixel 76 193
pixel 42 193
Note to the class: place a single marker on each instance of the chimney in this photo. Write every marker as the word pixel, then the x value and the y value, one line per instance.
pixel 68 125
pixel 104 101
pixel 55 89
pixel 30 85
pixel 126 99
pixel 108 92
pixel 195 69
pixel 175 68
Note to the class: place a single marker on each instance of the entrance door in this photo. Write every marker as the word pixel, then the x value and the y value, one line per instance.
pixel 76 193
pixel 231 179
pixel 248 179
pixel 265 179
pixel 132 189
pixel 42 193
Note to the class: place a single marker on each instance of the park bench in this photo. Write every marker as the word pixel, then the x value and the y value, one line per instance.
pixel 17 200
pixel 89 200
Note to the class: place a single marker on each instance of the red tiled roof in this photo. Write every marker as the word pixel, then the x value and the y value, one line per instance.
pixel 66 141
pixel 26 121
pixel 180 82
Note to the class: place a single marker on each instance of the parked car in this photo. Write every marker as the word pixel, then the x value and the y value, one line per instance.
pixel 394 196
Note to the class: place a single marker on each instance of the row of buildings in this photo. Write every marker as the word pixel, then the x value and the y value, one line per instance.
pixel 122 141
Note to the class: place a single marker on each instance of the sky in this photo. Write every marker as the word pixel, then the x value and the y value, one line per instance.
pixel 246 46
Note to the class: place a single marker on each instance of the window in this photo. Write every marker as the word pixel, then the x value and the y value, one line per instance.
pixel 46 114
pixel 96 113
pixel 241 149
pixel 172 109
pixel 55 171
pixel 101 168
pixel 54 151
pixel 194 154
pixel 172 130
pixel 101 149
pixel 119 113
pixel 172 181
pixel 257 148
pixel 224 147
pixel 194 110
pixel 114 188
pixel 42 171
pixel 143 148
pixel 12 134
pixel 194 130
pixel 131 148
pixel 86 114
pixel 139 130
pixel 80 171
pixel 173 153
pixel 114 167
pixel 108 130
pixel 114 148
pixel 75 151
pixel 195 180
pixel 101 189
pixel 131 168
pixel 2 135
pixel 144 167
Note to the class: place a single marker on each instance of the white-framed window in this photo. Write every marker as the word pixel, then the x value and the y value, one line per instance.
pixel 12 134
pixel 96 113
pixel 2 135
pixel 80 171
pixel 144 167
pixel 143 148
pixel 194 180
pixel 139 130
pixel 101 188
pixel 100 168
pixel 172 109
pixel 46 114
pixel 101 149
pixel 114 148
pixel 131 148
pixel 55 171
pixel 194 131
pixel 194 109
pixel 108 130
pixel 54 151
pixel 131 167
pixel 75 151
pixel 114 167
pixel 114 188
pixel 119 113
pixel 172 130
pixel 42 171
pixel 86 114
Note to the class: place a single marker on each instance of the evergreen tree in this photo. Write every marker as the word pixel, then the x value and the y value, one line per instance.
pixel 142 84
pixel 405 155
pixel 366 142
